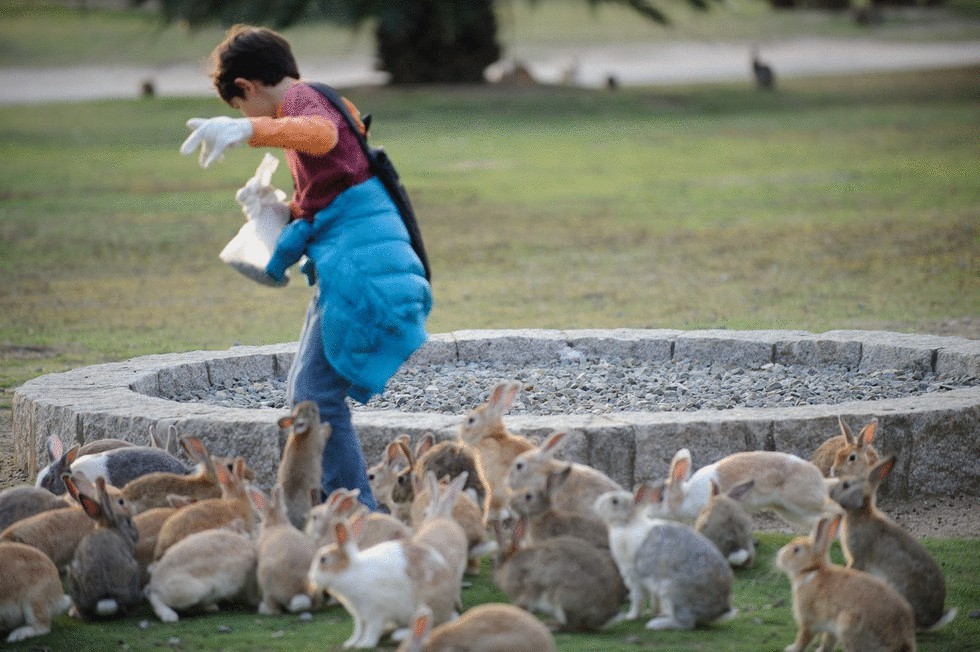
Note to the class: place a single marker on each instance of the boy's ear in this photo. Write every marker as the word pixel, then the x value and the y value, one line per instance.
pixel 246 85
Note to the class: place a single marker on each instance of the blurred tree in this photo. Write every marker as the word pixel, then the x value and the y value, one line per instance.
pixel 418 41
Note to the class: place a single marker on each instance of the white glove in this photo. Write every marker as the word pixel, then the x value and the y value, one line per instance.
pixel 215 135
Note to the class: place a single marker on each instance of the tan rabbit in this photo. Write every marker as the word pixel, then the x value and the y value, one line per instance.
pixel 382 475
pixel 466 512
pixel 846 454
pixel 23 501
pixel 203 569
pixel 440 531
pixel 152 490
pixel 301 467
pixel 148 525
pixel 545 521
pixel 491 627
pixel 850 607
pixel 577 493
pixel 340 507
pixel 403 489
pixel 449 458
pixel 728 526
pixel 31 595
pixel 874 543
pixel 496 448
pixel 212 512
pixel 284 557
pixel 791 487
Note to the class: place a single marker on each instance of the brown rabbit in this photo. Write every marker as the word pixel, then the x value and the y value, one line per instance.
pixel 874 543
pixel 496 448
pixel 491 627
pixel 342 506
pixel 846 454
pixel 854 608
pixel 728 526
pixel 578 492
pixel 301 467
pixel 545 521
pixel 440 531
pixel 382 475
pixel 465 511
pixel 20 502
pixel 148 525
pixel 31 595
pixel 152 490
pixel 450 458
pixel 212 512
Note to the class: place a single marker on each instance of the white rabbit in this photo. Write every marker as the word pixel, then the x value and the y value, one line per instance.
pixel 267 213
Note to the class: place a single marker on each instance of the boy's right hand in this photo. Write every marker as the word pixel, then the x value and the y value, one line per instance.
pixel 215 135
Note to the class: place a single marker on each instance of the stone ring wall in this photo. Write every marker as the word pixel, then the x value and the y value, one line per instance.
pixel 936 436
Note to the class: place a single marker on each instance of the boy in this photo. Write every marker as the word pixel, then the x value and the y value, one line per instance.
pixel 368 313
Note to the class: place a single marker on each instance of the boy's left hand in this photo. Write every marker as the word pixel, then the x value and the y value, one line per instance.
pixel 215 135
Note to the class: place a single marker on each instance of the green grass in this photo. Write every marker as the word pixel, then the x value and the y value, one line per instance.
pixel 761 595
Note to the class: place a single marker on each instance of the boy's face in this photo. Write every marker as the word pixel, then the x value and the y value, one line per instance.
pixel 256 100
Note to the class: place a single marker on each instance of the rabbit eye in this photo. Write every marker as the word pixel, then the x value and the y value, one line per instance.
pixel 471 421
pixel 370 477
pixel 615 501
pixel 796 548
pixel 852 457
pixel 845 485
pixel 519 466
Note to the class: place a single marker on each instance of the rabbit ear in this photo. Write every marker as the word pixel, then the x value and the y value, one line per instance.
pixel 845 430
pixel 867 434
pixel 826 533
pixel 680 466
pixel 108 514
pixel 738 491
pixel 455 487
pixel 258 499
pixel 70 455
pixel 55 448
pixel 407 453
pixel 550 445
pixel 880 471
pixel 91 506
pixel 502 397
pixel 195 449
pixel 425 444
pixel 394 452
pixel 286 422
pixel 71 485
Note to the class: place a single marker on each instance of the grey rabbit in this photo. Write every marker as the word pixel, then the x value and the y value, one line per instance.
pixel 729 526
pixel 544 521
pixel 121 465
pixel 61 460
pixel 18 503
pixel 450 458
pixel 104 577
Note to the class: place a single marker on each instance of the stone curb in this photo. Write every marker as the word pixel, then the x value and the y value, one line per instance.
pixel 936 437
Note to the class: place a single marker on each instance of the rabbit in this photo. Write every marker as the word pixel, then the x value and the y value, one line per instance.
pixel 440 530
pixel 565 577
pixel 20 502
pixel 340 507
pixel 60 460
pixel 104 577
pixel 212 512
pixel 203 569
pixel 728 526
pixel 382 475
pixel 490 627
pixel 846 454
pixel 148 525
pixel 577 493
pixel 450 458
pixel 301 466
pixel 151 490
pixel 284 557
pixel 122 465
pixel 484 431
pixel 464 511
pixel 383 585
pixel 266 213
pixel 849 606
pixel 874 543
pixel 31 595
pixel 545 521
pixel 403 488
pixel 791 487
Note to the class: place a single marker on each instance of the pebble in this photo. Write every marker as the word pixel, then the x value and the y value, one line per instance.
pixel 580 385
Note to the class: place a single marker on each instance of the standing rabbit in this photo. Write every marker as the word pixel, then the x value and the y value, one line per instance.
pixel 490 627
pixel 440 531
pixel 565 577
pixel 31 595
pixel 846 454
pixel 874 543
pixel 203 569
pixel 790 486
pixel 728 526
pixel 61 460
pixel 382 475
pixel 104 577
pixel 545 521
pixel 854 608
pixel 301 467
pixel 577 493
pixel 496 447
pixel 284 557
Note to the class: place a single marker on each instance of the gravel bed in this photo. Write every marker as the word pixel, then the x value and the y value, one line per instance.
pixel 603 386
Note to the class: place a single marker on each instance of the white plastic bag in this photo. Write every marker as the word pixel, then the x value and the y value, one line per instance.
pixel 266 213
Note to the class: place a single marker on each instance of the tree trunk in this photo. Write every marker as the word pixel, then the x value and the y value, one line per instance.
pixel 429 41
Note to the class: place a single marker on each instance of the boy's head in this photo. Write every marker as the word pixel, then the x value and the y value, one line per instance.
pixel 253 53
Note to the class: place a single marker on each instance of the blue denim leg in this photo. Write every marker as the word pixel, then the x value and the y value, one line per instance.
pixel 311 378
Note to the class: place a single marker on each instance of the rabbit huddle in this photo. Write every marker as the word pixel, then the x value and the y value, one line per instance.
pixel 571 549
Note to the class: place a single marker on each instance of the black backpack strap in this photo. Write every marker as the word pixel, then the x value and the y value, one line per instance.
pixel 384 169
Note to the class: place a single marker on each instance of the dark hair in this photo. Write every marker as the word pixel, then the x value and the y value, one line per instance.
pixel 253 53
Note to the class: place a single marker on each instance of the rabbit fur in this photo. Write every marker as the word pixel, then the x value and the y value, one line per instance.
pixel 874 543
pixel 495 447
pixel 491 627
pixel 152 490
pixel 577 493
pixel 20 502
pixel 60 460
pixel 565 577
pixel 284 557
pixel 728 526
pixel 104 577
pixel 31 595
pixel 846 454
pixel 545 521
pixel 301 466
pixel 440 531
pixel 790 486
pixel 266 213
pixel 450 458
pixel 854 608
pixel 465 511
pixel 203 569
pixel 341 506
pixel 122 465
pixel 382 476
pixel 383 585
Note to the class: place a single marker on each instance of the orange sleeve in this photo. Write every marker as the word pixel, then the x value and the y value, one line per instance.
pixel 311 134
pixel 357 115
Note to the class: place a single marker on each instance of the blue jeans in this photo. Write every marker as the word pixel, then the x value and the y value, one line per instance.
pixel 311 378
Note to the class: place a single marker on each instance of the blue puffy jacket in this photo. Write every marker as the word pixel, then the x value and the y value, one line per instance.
pixel 374 298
